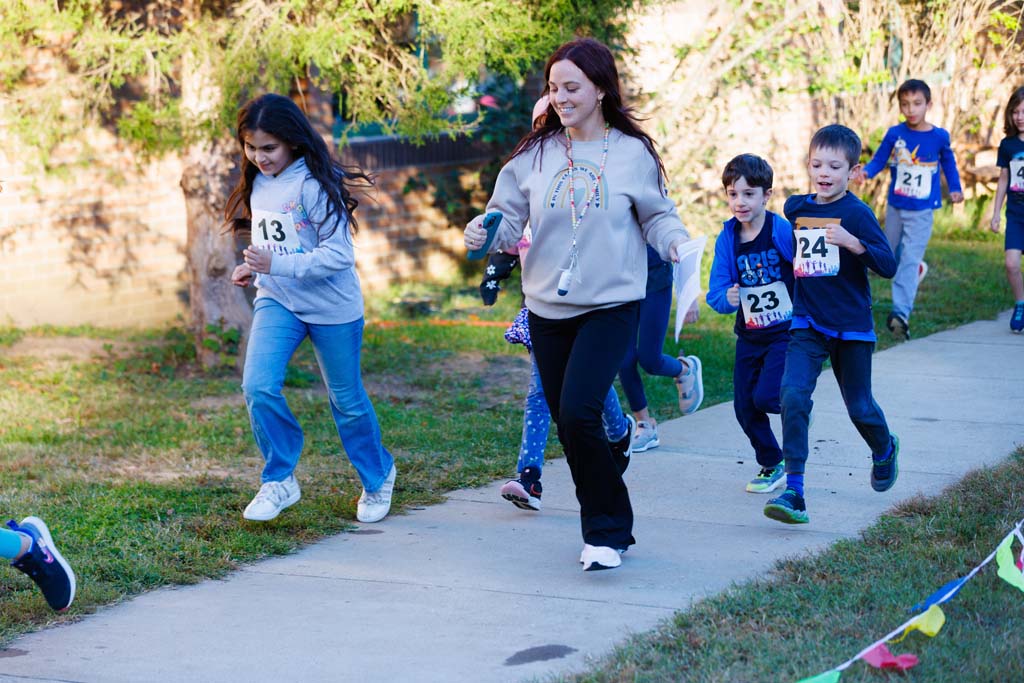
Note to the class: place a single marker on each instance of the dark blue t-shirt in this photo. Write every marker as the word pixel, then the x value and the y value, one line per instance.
pixel 1011 156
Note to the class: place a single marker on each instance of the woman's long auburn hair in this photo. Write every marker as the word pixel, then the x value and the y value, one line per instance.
pixel 279 116
pixel 596 62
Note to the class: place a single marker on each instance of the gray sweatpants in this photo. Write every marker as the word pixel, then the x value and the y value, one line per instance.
pixel 908 233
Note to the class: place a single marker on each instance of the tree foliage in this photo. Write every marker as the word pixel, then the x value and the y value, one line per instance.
pixel 170 73
pixel 844 60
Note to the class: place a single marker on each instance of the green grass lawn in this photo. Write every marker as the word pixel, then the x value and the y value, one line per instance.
pixel 141 464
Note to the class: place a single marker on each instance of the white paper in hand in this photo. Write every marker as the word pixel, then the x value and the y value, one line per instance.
pixel 686 274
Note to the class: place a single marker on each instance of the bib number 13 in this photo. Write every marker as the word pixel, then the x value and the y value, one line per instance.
pixel 274 231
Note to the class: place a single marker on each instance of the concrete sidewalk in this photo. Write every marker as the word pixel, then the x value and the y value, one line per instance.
pixel 477 590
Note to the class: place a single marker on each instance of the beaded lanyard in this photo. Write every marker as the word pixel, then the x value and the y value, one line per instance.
pixel 573 250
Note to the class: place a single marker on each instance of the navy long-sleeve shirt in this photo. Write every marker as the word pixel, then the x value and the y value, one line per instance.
pixel 840 305
pixel 914 158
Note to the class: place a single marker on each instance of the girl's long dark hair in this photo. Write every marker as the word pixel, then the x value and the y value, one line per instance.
pixel 278 116
pixel 596 62
pixel 1009 127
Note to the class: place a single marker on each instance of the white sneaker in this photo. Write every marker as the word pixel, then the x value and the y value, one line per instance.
pixel 375 506
pixel 272 498
pixel 595 557
pixel 690 384
pixel 646 437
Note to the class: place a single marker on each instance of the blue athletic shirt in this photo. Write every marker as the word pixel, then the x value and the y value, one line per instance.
pixel 914 158
pixel 765 259
pixel 840 306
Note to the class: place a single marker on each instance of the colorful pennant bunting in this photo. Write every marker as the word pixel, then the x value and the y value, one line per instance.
pixel 930 617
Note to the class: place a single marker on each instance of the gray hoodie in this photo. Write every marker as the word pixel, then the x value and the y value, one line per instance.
pixel 630 207
pixel 312 274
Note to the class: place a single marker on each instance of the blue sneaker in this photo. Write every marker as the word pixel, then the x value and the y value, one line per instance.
pixel 44 565
pixel 884 472
pixel 767 480
pixel 789 508
pixel 1017 319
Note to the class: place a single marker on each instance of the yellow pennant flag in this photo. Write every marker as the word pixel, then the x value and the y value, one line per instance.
pixel 928 622
pixel 1007 567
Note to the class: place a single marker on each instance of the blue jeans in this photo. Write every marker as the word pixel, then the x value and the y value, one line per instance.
pixel 851 364
pixel 756 379
pixel 276 334
pixel 646 349
pixel 908 233
pixel 537 421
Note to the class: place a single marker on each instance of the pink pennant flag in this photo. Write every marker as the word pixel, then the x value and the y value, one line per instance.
pixel 881 658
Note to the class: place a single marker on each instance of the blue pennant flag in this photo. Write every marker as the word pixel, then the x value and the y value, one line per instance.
pixel 952 588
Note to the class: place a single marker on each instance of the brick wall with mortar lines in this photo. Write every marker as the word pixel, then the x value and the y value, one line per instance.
pixel 83 247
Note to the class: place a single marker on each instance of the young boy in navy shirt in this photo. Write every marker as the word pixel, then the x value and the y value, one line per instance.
pixel 837 238
pixel 914 150
pixel 752 276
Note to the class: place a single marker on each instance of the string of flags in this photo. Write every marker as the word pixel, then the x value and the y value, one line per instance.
pixel 929 616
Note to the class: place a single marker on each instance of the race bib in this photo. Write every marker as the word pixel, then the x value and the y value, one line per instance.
pixel 766 305
pixel 813 257
pixel 913 181
pixel 274 231
pixel 1016 175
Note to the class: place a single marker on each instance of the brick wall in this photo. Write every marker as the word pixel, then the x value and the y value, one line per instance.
pixel 104 243
pixel 86 246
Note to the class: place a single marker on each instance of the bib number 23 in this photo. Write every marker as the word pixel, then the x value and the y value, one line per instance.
pixel 766 305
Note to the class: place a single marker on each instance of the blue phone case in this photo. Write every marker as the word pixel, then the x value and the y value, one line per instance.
pixel 491 222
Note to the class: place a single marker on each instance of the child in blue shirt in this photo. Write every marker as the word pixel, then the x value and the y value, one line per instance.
pixel 837 238
pixel 752 276
pixel 914 151
pixel 1011 189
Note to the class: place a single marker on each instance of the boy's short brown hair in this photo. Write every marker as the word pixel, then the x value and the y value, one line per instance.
pixel 751 168
pixel 839 138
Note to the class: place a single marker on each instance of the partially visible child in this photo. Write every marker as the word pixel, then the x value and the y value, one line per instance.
pixel 837 238
pixel 525 490
pixel 752 276
pixel 914 151
pixel 30 548
pixel 1011 189
pixel 646 352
